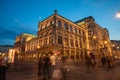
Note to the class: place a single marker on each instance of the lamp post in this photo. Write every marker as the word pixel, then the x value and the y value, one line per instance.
pixel 113 49
pixel 38 47
pixel 105 48
pixel 118 48
pixel 94 38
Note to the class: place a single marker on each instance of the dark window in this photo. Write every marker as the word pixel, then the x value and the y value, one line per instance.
pixel 50 22
pixel 76 43
pixel 70 28
pixel 75 30
pixel 59 23
pixel 51 40
pixel 66 26
pixel 59 39
pixel 71 43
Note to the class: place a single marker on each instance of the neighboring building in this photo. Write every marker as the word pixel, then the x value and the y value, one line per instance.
pixel 98 37
pixel 5 48
pixel 60 35
pixel 116 47
pixel 20 43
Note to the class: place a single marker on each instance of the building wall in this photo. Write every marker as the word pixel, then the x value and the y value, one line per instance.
pixel 63 36
pixel 60 35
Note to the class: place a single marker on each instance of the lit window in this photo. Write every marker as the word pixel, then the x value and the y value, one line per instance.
pixel 66 41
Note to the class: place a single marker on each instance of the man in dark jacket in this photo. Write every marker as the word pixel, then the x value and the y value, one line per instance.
pixel 46 66
pixel 3 67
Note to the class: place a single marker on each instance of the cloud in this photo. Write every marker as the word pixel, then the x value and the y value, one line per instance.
pixel 8 34
pixel 23 28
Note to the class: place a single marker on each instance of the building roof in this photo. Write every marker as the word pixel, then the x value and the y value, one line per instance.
pixel 81 20
pixel 26 34
pixel 75 23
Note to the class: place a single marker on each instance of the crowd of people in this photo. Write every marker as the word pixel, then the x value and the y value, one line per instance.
pixel 91 61
pixel 49 68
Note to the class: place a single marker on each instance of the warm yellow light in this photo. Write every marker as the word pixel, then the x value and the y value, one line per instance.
pixel 118 15
pixel 113 45
pixel 38 46
pixel 94 37
pixel 105 42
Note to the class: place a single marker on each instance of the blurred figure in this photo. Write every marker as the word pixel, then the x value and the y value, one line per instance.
pixel 103 61
pixel 64 58
pixel 40 66
pixel 93 60
pixel 46 66
pixel 3 67
pixel 88 63
pixel 52 63
pixel 109 61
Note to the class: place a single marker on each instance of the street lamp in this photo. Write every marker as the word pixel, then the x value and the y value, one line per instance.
pixel 94 37
pixel 38 54
pixel 118 14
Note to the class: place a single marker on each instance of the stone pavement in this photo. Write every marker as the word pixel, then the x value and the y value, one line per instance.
pixel 28 71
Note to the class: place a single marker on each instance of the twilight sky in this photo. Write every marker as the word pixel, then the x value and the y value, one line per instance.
pixel 22 16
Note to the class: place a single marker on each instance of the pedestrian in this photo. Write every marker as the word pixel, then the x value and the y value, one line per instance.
pixel 64 58
pixel 109 62
pixel 93 60
pixel 3 67
pixel 40 66
pixel 103 61
pixel 64 67
pixel 88 63
pixel 46 66
pixel 52 63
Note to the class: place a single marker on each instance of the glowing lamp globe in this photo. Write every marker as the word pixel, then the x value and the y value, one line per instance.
pixel 118 15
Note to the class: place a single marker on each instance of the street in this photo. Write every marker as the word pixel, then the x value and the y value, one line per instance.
pixel 77 71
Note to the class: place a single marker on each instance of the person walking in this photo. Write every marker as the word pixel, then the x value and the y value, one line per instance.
pixel 109 62
pixel 104 61
pixel 46 66
pixel 88 63
pixel 3 67
pixel 40 66
pixel 93 60
pixel 52 63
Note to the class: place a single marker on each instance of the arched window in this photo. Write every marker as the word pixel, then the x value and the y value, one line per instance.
pixel 66 26
pixel 75 30
pixel 71 28
pixel 59 23
pixel 50 22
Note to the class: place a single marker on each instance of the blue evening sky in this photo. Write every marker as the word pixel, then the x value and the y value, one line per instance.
pixel 22 16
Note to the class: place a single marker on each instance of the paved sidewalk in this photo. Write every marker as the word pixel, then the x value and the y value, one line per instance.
pixel 28 71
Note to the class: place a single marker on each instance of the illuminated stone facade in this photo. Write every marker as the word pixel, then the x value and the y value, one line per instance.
pixel 62 36
pixel 98 37
pixel 21 43
pixel 116 48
